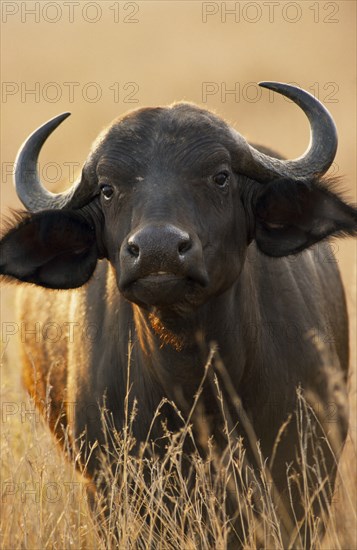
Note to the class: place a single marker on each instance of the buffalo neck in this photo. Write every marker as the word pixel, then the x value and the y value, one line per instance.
pixel 175 348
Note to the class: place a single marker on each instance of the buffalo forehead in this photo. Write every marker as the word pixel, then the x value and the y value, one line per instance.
pixel 183 137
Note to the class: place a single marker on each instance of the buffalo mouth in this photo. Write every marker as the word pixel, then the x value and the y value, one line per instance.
pixel 163 288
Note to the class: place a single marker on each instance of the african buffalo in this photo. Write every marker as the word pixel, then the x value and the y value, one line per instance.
pixel 196 230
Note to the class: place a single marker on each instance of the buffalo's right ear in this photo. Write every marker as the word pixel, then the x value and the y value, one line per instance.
pixel 54 249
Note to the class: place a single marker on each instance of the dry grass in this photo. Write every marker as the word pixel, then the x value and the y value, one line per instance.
pixel 45 504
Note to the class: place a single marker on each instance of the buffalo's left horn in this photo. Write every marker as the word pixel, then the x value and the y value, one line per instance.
pixel 317 158
pixel 27 181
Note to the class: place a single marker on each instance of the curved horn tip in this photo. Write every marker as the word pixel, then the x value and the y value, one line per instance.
pixel 53 122
pixel 46 129
pixel 65 114
pixel 278 86
pixel 295 93
pixel 267 83
pixel 59 118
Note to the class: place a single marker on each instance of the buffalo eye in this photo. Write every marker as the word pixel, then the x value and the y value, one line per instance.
pixel 221 179
pixel 107 191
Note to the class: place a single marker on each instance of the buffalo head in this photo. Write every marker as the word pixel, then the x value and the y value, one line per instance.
pixel 172 197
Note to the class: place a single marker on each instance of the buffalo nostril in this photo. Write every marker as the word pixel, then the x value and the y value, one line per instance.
pixel 184 246
pixel 133 249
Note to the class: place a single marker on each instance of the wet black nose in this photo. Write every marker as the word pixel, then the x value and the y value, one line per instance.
pixel 158 249
pixel 166 244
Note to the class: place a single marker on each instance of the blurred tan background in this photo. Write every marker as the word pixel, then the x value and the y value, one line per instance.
pixel 100 59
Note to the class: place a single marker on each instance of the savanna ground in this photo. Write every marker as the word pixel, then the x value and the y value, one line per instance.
pixel 149 53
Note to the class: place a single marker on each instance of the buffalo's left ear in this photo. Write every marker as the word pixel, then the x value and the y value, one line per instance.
pixel 293 215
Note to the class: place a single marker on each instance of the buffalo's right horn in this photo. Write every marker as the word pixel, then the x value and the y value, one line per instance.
pixel 27 181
